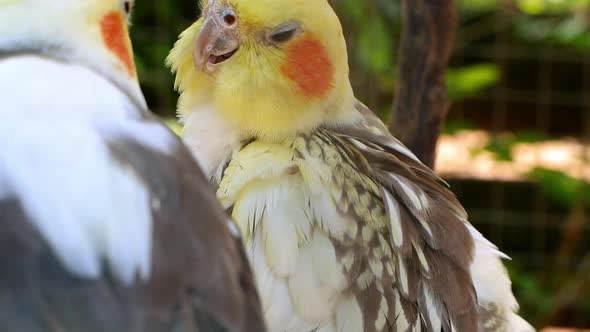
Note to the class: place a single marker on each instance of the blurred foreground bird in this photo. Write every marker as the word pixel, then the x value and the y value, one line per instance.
pixel 106 222
pixel 346 230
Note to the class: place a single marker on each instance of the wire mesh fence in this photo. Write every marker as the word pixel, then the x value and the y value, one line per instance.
pixel 545 89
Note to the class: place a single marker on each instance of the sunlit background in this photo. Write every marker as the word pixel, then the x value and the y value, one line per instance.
pixel 515 146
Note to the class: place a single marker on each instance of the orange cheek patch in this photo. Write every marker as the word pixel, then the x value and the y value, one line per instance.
pixel 114 35
pixel 309 66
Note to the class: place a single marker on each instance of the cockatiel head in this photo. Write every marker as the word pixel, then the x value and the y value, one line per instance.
pixel 272 68
pixel 91 32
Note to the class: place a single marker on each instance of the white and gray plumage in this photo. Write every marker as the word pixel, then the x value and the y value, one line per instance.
pixel 106 222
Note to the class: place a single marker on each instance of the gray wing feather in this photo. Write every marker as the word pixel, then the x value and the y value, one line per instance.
pixel 200 278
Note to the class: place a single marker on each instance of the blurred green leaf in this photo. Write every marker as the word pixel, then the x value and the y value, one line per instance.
pixel 501 146
pixel 532 7
pixel 375 48
pixel 534 295
pixel 471 80
pixel 537 7
pixel 453 126
pixel 569 32
pixel 531 136
pixel 478 5
pixel 354 10
pixel 561 188
pixel 535 30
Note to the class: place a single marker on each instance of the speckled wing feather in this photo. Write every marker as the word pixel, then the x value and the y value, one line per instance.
pixel 427 230
pixel 405 253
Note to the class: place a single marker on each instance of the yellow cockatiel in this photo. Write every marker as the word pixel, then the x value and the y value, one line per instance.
pixel 346 230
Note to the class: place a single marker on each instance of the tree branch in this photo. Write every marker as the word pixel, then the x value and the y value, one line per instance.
pixel 421 103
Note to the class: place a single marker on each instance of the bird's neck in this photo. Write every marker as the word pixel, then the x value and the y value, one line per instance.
pixel 271 117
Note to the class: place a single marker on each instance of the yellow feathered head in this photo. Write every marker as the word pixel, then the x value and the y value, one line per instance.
pixel 272 68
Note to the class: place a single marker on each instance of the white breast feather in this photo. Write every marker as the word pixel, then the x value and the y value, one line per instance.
pixel 298 274
pixel 55 122
pixel 349 316
pixel 285 225
pixel 492 283
pixel 278 308
pixel 211 140
pixel 490 278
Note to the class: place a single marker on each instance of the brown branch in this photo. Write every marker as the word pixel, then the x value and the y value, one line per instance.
pixel 421 102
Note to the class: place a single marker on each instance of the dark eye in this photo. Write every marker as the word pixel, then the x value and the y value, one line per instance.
pixel 229 17
pixel 283 36
pixel 127 6
pixel 285 32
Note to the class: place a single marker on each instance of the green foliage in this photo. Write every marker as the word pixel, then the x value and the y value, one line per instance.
pixel 354 10
pixel 478 5
pixel 557 186
pixel 470 81
pixel 569 32
pixel 528 7
pixel 501 145
pixel 535 295
pixel 453 126
pixel 372 30
pixel 561 188
pixel 537 7
pixel 375 46
pixel 156 26
pixel 554 22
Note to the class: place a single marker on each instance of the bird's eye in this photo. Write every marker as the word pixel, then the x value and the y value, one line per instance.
pixel 283 36
pixel 285 33
pixel 229 17
pixel 127 6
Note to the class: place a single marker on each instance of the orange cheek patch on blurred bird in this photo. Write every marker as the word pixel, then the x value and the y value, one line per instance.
pixel 114 35
pixel 309 66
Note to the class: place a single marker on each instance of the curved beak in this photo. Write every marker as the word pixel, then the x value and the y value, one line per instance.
pixel 215 44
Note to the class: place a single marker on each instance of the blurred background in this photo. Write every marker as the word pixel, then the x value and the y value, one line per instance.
pixel 516 144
